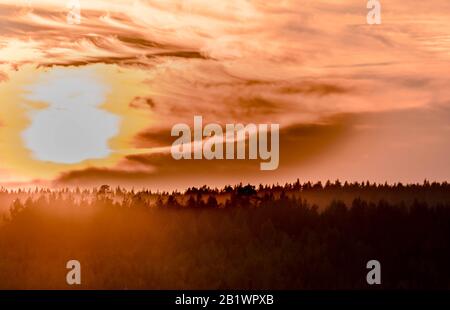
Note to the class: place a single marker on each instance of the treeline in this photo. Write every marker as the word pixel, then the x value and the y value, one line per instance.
pixel 240 237
pixel 315 194
pixel 296 186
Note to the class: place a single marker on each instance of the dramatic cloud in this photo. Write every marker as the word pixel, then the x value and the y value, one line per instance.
pixel 315 67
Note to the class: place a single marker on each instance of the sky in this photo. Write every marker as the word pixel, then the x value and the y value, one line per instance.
pixel 94 103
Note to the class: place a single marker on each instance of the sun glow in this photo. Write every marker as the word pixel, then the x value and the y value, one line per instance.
pixel 71 128
pixel 60 118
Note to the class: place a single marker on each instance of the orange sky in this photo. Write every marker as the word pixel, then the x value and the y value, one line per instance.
pixel 95 103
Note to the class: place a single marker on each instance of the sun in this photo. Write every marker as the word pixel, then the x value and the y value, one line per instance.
pixel 62 118
pixel 72 127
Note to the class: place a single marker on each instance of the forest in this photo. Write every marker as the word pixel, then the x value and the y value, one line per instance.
pixel 291 236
